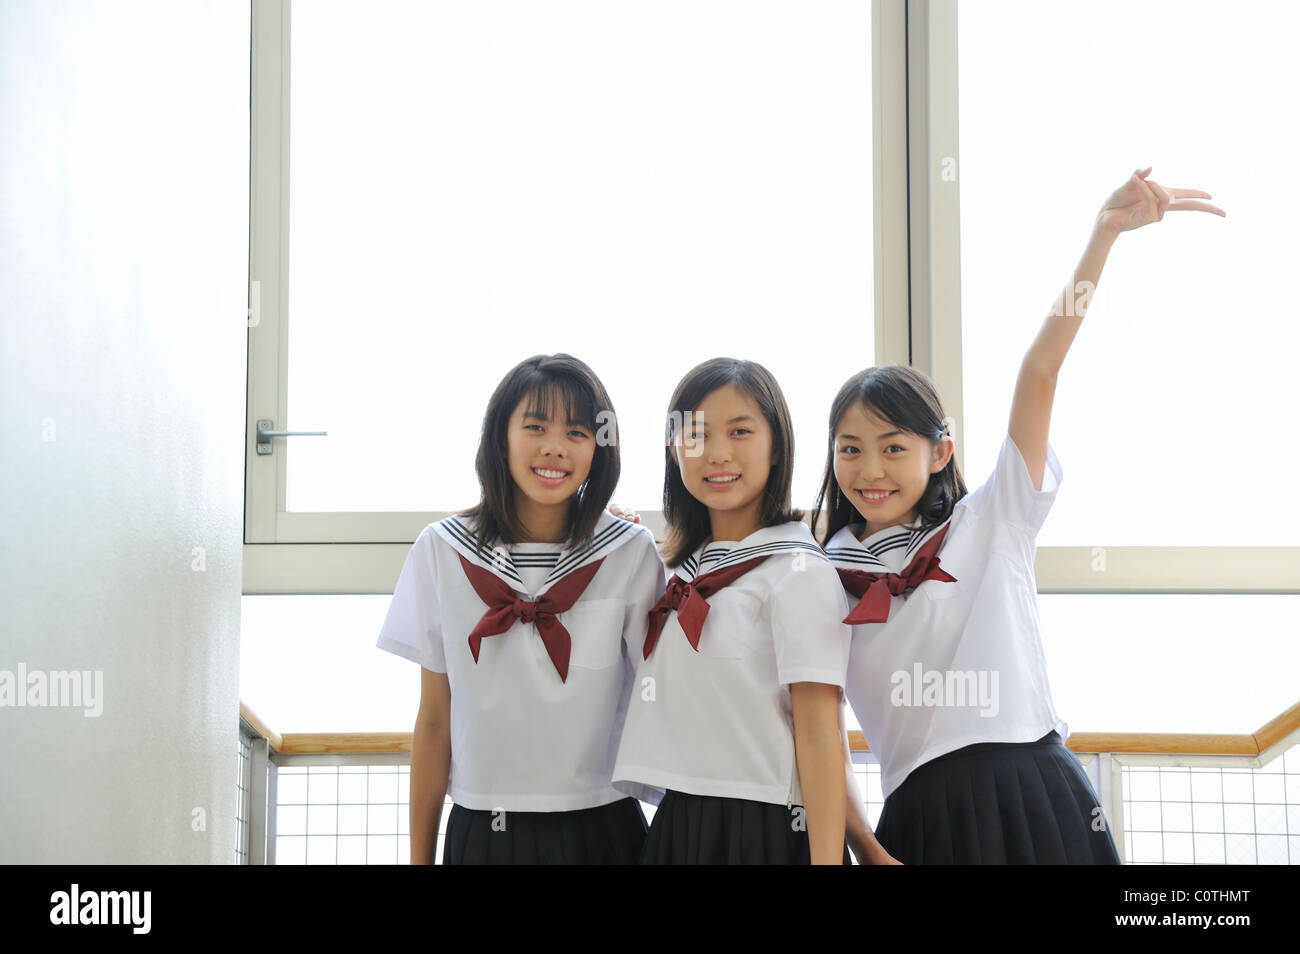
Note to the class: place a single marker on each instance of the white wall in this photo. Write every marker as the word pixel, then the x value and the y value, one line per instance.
pixel 123 267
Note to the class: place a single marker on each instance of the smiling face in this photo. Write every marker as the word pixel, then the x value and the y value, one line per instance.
pixel 550 458
pixel 883 470
pixel 724 453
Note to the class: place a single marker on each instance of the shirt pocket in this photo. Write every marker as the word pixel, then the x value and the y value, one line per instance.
pixel 734 628
pixel 957 560
pixel 595 632
pixel 941 589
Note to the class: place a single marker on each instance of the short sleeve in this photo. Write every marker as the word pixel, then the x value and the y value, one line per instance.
pixel 412 627
pixel 1009 495
pixel 807 609
pixel 644 588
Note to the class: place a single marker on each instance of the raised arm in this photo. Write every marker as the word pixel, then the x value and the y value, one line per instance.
pixel 1138 202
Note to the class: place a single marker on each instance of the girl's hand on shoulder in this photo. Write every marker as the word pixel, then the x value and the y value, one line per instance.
pixel 1141 201
pixel 629 515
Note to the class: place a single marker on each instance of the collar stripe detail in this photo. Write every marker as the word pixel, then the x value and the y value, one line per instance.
pixel 491 559
pixel 499 560
pixel 695 565
pixel 846 550
pixel 601 541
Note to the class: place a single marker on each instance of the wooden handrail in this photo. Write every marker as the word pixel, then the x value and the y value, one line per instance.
pixel 369 743
pixel 1169 742
pixel 1271 732
pixel 260 727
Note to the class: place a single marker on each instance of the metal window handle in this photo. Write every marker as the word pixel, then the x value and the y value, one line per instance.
pixel 264 435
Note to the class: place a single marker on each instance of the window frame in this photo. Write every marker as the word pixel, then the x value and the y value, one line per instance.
pixel 917 267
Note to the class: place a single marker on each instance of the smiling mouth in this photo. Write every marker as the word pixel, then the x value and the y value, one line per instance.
pixel 874 496
pixel 546 474
pixel 727 479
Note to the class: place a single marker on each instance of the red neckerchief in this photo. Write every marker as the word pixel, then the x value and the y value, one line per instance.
pixel 688 597
pixel 875 589
pixel 504 607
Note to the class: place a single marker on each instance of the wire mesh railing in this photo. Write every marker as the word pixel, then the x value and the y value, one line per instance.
pixel 1213 814
pixel 242 801
pixel 352 807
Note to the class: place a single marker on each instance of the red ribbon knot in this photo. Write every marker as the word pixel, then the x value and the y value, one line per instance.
pixel 504 607
pixel 876 589
pixel 689 599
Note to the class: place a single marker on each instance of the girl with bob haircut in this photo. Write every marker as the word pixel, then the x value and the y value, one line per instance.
pixel 947 674
pixel 526 612
pixel 736 702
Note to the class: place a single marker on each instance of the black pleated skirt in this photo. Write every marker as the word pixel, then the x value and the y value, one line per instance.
pixel 994 803
pixel 709 830
pixel 606 835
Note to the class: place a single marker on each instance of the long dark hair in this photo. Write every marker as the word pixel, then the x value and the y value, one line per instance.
pixel 909 401
pixel 550 383
pixel 688 518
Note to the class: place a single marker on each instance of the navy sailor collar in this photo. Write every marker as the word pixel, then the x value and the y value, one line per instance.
pixel 611 533
pixel 792 537
pixel 880 552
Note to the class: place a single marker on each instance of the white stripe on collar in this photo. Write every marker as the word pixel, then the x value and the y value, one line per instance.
pixel 845 549
pixel 792 537
pixel 611 533
pixel 545 558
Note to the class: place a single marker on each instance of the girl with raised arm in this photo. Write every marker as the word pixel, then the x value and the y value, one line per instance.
pixel 946 674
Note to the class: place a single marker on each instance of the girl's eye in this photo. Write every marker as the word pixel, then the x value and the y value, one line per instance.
pixel 742 430
pixel 581 435
pixel 892 446
pixel 531 426
pixel 848 450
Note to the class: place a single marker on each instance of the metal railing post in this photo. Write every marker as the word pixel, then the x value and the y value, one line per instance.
pixel 1110 791
pixel 258 807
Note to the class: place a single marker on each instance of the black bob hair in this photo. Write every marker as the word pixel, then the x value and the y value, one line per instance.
pixel 558 383
pixel 908 400
pixel 687 518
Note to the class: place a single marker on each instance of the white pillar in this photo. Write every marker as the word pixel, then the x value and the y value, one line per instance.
pixel 123 271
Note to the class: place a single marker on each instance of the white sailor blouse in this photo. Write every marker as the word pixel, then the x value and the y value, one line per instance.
pixel 741 621
pixel 539 647
pixel 946 649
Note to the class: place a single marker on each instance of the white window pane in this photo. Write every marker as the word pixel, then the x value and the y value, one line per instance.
pixel 1116 663
pixel 1172 416
pixel 642 185
pixel 1203 662
pixel 310 664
